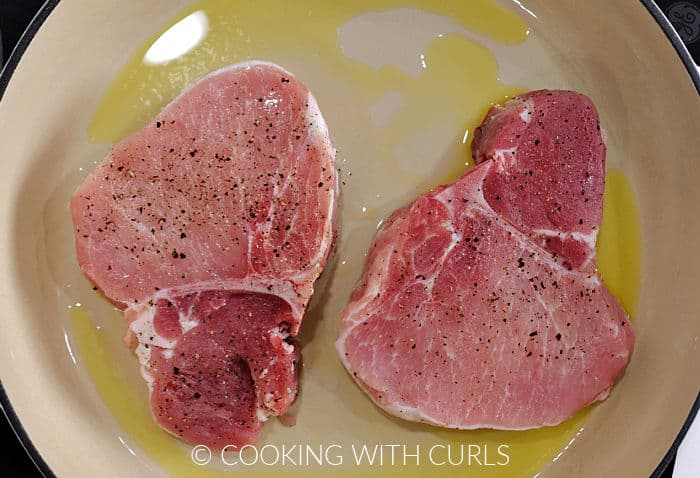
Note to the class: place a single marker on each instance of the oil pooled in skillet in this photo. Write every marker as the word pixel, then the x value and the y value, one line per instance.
pixel 400 129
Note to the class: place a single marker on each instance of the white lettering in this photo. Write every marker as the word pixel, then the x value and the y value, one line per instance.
pixel 318 458
pixel 415 455
pixel 393 448
pixel 337 459
pixel 287 455
pixel 364 452
pixel 474 455
pixel 461 455
pixel 503 454
pixel 430 455
pixel 276 454
pixel 223 456
pixel 241 455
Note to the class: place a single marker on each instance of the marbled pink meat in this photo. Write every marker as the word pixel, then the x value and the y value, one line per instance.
pixel 209 227
pixel 480 304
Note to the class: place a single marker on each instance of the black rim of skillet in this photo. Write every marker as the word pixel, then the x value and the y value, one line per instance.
pixel 34 27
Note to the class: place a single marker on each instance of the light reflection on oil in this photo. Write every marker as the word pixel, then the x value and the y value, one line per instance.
pixel 179 39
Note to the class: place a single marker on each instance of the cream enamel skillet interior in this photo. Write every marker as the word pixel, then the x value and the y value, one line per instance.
pixel 74 393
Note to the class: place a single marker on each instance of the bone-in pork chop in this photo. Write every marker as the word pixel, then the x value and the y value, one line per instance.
pixel 480 304
pixel 209 227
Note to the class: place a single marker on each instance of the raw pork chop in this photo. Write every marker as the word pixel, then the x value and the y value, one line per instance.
pixel 209 227
pixel 480 304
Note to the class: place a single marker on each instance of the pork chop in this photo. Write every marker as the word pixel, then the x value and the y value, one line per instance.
pixel 209 227
pixel 480 304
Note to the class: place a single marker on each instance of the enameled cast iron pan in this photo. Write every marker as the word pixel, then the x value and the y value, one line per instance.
pixel 618 53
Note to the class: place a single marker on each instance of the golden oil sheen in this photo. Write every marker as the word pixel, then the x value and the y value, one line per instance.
pixel 390 127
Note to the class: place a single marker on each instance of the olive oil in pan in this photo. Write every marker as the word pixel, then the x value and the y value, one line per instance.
pixel 619 242
pixel 400 130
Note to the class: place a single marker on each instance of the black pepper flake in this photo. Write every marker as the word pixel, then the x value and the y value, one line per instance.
pixel 196 395
pixel 183 235
pixel 521 263
pixel 158 123
pixel 537 142
pixel 558 336
pixel 534 333
pixel 176 370
pixel 413 346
